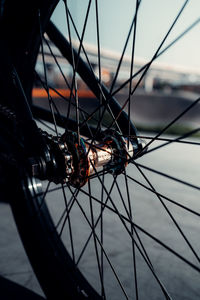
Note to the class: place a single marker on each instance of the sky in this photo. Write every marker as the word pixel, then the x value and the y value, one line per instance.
pixel 154 20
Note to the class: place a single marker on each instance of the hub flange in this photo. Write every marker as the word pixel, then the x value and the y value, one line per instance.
pixel 73 159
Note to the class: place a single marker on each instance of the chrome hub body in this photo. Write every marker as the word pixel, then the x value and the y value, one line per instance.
pixel 73 159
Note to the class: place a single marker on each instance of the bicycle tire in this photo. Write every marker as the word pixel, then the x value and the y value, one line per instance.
pixel 53 265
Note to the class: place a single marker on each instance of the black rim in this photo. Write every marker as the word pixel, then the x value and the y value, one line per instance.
pixel 114 194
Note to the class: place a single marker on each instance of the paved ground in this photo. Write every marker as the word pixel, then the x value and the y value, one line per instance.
pixel 181 281
pixel 17 280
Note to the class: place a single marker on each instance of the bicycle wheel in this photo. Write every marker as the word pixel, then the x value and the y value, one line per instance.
pixel 92 232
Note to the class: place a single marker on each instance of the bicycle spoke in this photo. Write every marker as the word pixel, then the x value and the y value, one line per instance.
pixel 81 43
pixel 104 252
pixel 104 217
pixel 172 122
pixel 164 197
pixel 66 82
pixel 95 241
pixel 102 233
pixel 104 105
pixel 68 210
pixel 82 35
pixel 45 76
pixel 99 55
pixel 131 71
pixel 132 233
pixel 167 176
pixel 154 56
pixel 134 241
pixel 167 247
pixel 171 216
pixel 53 105
pixel 90 116
pixel 158 55
pixel 57 63
pixel 146 233
pixel 102 96
pixel 135 231
pixel 69 224
pixel 82 112
pixel 124 49
pixel 177 140
pixel 74 79
pixel 152 60
pixel 100 218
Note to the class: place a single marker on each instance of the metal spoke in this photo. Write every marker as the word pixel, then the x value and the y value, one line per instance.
pixel 146 233
pixel 132 233
pixel 45 76
pixel 104 103
pixel 57 63
pixel 170 215
pixel 74 79
pixel 82 112
pixel 164 197
pixel 67 210
pixel 95 241
pixel 99 56
pixel 67 11
pixel 167 176
pixel 66 82
pixel 124 49
pixel 69 224
pixel 152 60
pixel 99 242
pixel 167 247
pixel 81 44
pixel 53 105
pixel 177 140
pixel 102 232
pixel 90 116
pixel 158 55
pixel 165 139
pixel 172 122
pixel 131 72
pixel 90 124
pixel 165 292
pixel 103 206
pixel 135 231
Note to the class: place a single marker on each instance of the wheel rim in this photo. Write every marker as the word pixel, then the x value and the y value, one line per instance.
pixel 102 195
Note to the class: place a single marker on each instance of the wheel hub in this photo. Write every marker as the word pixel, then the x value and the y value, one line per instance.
pixel 73 159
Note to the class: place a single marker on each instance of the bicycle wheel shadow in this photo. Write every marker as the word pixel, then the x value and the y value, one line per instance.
pixel 13 291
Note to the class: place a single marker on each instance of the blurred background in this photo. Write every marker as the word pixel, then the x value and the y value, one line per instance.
pixel 171 82
pixel 164 92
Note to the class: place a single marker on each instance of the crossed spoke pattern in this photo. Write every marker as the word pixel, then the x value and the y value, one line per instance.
pixel 87 216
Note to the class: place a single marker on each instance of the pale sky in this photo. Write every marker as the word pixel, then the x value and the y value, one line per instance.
pixel 154 19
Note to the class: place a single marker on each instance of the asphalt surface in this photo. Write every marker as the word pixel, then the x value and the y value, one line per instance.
pixel 17 280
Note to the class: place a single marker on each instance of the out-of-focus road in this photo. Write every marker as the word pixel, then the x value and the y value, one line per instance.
pixel 179 160
pixel 17 280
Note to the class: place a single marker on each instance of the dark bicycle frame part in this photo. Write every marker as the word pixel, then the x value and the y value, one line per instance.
pixel 20 42
pixel 89 78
